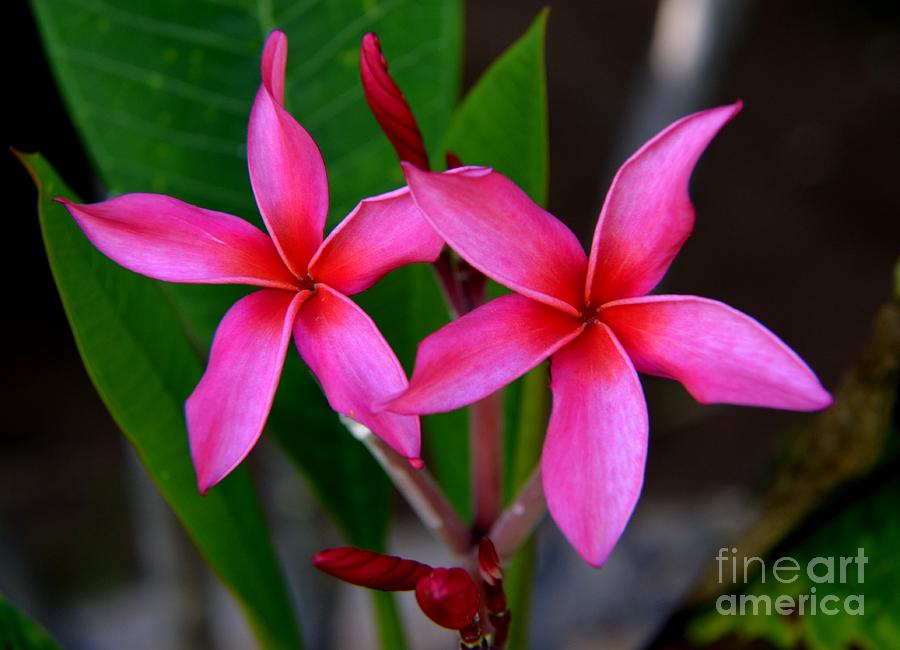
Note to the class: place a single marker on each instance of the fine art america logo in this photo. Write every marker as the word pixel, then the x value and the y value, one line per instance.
pixel 819 571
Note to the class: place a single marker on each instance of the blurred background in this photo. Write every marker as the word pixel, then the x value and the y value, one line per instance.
pixel 798 204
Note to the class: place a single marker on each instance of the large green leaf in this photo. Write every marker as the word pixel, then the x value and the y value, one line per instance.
pixel 161 92
pixel 19 633
pixel 502 123
pixel 118 319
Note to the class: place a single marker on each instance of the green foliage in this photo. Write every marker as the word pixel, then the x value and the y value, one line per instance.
pixel 143 366
pixel 161 93
pixel 19 633
pixel 869 523
pixel 390 629
pixel 502 123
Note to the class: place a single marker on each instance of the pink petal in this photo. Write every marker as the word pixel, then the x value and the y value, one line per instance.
pixel 483 351
pixel 166 239
pixel 596 448
pixel 382 233
pixel 718 353
pixel 274 61
pixel 286 168
pixel 355 365
pixel 648 214
pixel 495 227
pixel 228 409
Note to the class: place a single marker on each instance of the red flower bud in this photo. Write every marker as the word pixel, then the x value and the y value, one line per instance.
pixel 472 637
pixel 494 596
pixel 489 562
pixel 453 161
pixel 389 105
pixel 369 569
pixel 448 597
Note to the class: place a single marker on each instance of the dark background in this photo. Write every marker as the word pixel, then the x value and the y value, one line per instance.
pixel 798 205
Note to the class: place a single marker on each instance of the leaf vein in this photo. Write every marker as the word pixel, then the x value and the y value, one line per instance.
pixel 352 30
pixel 167 29
pixel 155 80
pixel 196 141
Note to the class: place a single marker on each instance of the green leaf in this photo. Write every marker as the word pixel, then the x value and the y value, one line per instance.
pixel 390 629
pixel 119 319
pixel 445 435
pixel 161 93
pixel 502 123
pixel 19 633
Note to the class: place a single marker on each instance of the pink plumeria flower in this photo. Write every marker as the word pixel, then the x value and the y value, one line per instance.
pixel 305 283
pixel 594 317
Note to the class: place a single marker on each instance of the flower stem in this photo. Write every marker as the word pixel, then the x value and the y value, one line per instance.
pixel 515 527
pixel 444 270
pixel 419 489
pixel 519 520
pixel 486 450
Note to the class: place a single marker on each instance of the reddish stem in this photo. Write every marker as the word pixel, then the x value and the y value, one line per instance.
pixel 519 520
pixel 444 268
pixel 486 450
pixel 419 489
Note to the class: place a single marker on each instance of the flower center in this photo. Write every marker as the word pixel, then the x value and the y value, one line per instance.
pixel 590 314
pixel 307 283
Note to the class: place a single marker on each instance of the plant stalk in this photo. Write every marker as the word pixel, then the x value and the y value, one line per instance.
pixel 419 489
pixel 519 520
pixel 486 451
pixel 516 525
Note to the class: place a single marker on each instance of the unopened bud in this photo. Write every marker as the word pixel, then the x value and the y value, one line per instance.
pixel 472 636
pixel 489 562
pixel 448 597
pixel 452 160
pixel 369 569
pixel 389 105
pixel 494 595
